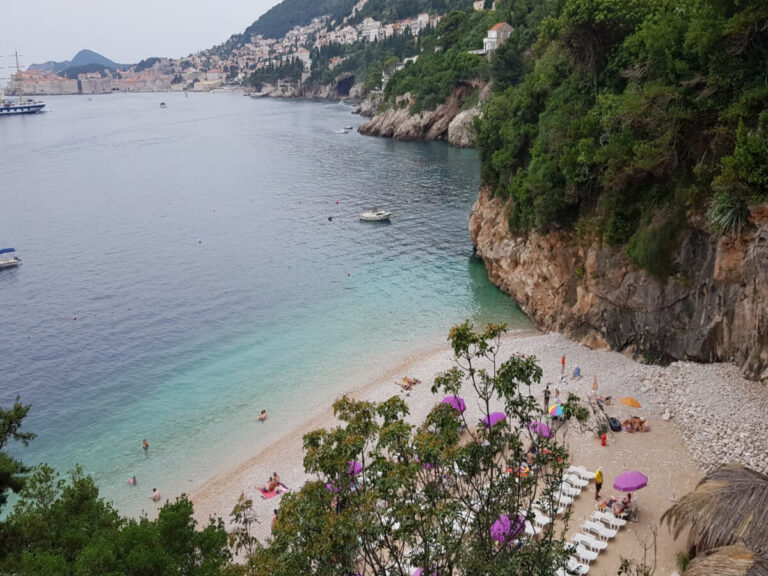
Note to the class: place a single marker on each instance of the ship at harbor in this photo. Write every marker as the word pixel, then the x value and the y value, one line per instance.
pixel 19 104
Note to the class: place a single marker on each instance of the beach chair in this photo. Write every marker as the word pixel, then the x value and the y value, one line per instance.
pixel 589 541
pixel 568 490
pixel 575 481
pixel 531 530
pixel 599 528
pixel 581 472
pixel 575 567
pixel 607 517
pixel 548 508
pixel 564 500
pixel 540 520
pixel 586 556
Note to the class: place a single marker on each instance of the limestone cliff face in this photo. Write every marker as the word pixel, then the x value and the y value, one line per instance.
pixel 446 122
pixel 715 309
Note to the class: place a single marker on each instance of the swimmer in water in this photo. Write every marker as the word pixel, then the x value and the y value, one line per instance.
pixel 155 495
pixel 132 481
pixel 262 416
pixel 145 444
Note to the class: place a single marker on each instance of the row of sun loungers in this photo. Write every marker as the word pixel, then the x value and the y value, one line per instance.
pixel 601 527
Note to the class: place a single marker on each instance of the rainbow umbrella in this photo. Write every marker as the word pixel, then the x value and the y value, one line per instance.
pixel 556 410
pixel 456 402
pixel 494 418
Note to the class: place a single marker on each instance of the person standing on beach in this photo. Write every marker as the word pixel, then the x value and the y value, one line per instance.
pixel 562 365
pixel 598 482
pixel 546 398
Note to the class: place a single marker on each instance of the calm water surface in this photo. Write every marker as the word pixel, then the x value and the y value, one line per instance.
pixel 212 255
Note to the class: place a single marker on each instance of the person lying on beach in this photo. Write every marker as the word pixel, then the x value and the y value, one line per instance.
pixel 262 416
pixel 404 385
pixel 635 424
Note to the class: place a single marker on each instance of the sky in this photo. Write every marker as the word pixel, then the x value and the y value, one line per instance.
pixel 125 31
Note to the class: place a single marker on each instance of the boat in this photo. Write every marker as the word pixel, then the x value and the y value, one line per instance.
pixel 375 215
pixel 7 259
pixel 342 131
pixel 19 105
pixel 349 127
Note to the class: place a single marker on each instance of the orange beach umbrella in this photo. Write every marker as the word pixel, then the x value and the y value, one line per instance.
pixel 631 402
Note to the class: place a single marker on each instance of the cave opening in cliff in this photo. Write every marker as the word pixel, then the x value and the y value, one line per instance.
pixel 344 85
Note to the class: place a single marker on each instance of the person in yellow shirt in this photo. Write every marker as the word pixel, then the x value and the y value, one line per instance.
pixel 598 482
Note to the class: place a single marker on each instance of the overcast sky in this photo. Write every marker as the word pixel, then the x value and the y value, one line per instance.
pixel 124 31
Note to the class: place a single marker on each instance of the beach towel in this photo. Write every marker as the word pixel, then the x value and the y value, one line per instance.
pixel 282 489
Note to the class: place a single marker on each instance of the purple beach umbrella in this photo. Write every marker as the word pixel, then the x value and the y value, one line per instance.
pixel 541 429
pixel 354 468
pixel 457 402
pixel 505 528
pixel 630 481
pixel 494 418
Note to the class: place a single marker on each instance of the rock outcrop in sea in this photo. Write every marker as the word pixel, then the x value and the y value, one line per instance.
pixel 715 309
pixel 449 121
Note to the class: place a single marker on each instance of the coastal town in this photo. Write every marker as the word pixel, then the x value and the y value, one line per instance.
pixel 222 66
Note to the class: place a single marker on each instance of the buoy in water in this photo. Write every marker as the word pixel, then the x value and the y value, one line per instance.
pixel 330 218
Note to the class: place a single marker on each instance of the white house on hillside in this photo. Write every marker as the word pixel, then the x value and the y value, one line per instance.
pixel 497 36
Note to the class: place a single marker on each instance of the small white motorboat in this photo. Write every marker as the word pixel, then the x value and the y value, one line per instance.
pixel 7 259
pixel 375 215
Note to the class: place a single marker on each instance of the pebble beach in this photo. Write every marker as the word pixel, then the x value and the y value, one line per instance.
pixel 699 416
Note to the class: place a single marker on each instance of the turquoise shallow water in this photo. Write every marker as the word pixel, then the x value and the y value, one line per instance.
pixel 194 246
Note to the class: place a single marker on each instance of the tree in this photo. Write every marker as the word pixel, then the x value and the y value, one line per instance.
pixel 12 470
pixel 63 527
pixel 389 496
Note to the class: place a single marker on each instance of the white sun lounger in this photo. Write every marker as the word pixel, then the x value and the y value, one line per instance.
pixel 586 556
pixel 589 541
pixel 581 472
pixel 599 528
pixel 569 490
pixel 608 518
pixel 548 508
pixel 575 480
pixel 531 530
pixel 574 565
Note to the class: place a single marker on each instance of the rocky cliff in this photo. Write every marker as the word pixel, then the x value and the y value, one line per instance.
pixel 714 309
pixel 446 122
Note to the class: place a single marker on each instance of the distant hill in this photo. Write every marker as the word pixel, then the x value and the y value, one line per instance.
pixel 280 19
pixel 84 58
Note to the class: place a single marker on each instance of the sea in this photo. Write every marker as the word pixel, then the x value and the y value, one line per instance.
pixel 187 266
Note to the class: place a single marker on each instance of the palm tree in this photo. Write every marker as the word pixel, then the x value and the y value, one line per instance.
pixel 736 560
pixel 727 507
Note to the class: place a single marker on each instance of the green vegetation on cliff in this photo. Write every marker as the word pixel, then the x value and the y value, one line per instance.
pixel 633 116
pixel 444 60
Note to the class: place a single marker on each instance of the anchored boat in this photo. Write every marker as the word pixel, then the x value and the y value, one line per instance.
pixel 7 259
pixel 375 215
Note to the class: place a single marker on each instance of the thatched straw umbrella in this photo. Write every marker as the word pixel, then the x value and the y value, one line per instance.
pixel 736 560
pixel 727 507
